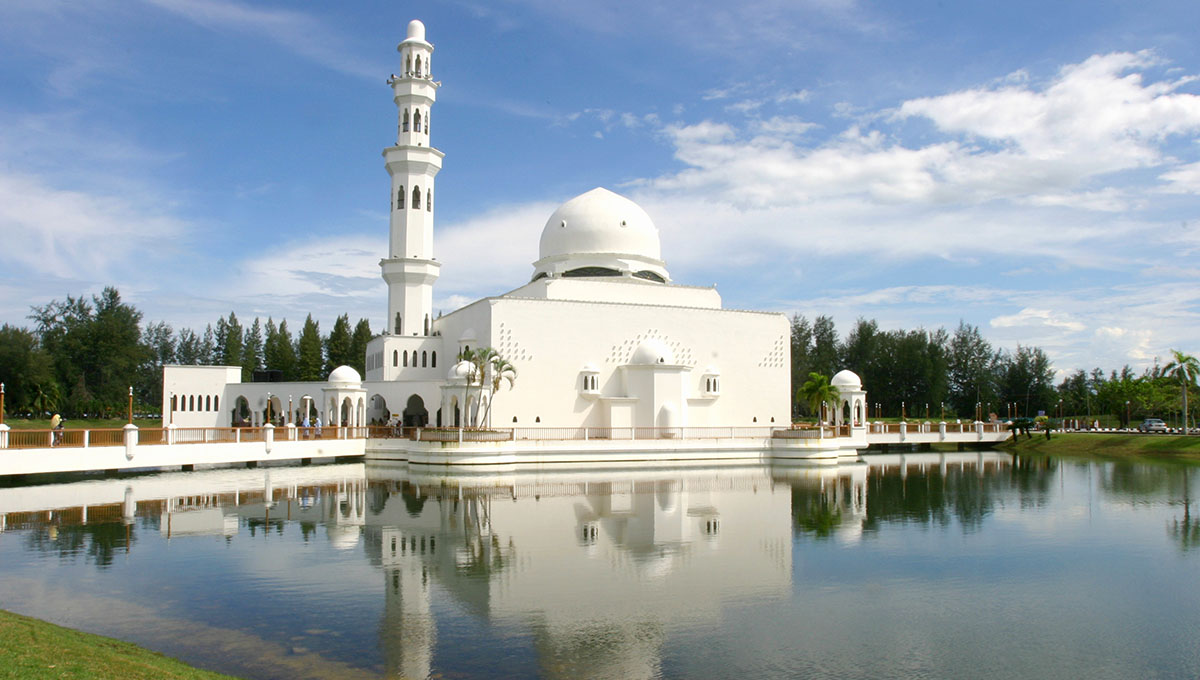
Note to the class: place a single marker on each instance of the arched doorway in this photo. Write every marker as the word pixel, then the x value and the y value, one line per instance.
pixel 240 417
pixel 415 414
pixel 347 412
pixel 377 412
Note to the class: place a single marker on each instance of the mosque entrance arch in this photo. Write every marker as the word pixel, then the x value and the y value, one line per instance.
pixel 415 413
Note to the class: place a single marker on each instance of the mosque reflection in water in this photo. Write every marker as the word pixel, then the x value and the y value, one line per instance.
pixel 577 560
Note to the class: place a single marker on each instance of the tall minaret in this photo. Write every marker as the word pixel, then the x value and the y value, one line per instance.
pixel 409 268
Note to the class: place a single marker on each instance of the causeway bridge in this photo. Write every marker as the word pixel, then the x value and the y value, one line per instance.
pixel 25 452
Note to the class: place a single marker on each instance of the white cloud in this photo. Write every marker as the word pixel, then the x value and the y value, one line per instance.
pixel 301 33
pixel 1031 316
pixel 66 232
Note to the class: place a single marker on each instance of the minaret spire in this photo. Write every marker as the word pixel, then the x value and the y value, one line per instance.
pixel 410 269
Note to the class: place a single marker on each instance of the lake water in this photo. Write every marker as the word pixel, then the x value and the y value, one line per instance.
pixel 916 566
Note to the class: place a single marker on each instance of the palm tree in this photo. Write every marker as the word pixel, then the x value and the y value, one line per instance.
pixel 817 392
pixel 475 357
pixel 1185 367
pixel 499 371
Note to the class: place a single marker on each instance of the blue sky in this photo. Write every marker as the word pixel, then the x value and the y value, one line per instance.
pixel 1031 168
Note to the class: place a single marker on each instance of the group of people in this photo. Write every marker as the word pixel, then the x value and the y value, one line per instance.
pixel 311 429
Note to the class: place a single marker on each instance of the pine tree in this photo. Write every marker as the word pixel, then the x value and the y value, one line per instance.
pixel 309 361
pixel 358 346
pixel 338 344
pixel 230 343
pixel 252 352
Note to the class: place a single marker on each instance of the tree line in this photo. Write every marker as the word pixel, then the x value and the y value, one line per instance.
pixel 82 355
pixel 923 373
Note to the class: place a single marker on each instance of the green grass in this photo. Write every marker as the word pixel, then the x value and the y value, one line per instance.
pixel 80 423
pixel 30 648
pixel 1109 445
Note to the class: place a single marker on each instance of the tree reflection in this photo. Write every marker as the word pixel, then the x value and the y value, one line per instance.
pixel 1185 531
pixel 98 542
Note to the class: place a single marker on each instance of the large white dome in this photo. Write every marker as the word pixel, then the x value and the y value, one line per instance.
pixel 600 233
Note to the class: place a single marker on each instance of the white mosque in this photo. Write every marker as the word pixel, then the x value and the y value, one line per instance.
pixel 599 337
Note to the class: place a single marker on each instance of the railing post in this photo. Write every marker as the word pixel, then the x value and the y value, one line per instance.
pixel 237 435
pixel 170 434
pixel 942 431
pixel 87 438
pixel 514 434
pixel 903 431
pixel 979 429
pixel 131 440
pixel 585 434
pixel 460 431
pixel 268 436
pixel 3 436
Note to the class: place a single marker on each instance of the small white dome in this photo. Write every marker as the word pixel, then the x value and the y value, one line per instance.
pixel 589 368
pixel 461 371
pixel 652 351
pixel 345 375
pixel 416 30
pixel 848 379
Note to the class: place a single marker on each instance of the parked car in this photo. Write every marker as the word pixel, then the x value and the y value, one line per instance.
pixel 1153 425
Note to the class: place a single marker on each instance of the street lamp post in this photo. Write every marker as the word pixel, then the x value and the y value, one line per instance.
pixel 1 403
pixel 289 418
pixel 131 404
pixel 902 417
pixel 1127 414
pixel 943 405
pixel 268 408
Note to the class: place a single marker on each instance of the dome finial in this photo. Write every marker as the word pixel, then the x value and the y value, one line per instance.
pixel 416 30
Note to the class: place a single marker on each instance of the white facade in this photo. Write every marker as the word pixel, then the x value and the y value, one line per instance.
pixel 599 337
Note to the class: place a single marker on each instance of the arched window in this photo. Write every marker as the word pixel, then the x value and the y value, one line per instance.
pixel 216 404
pixel 424 359
pixel 406 358
pixel 416 202
pixel 174 403
pixel 427 117
pixel 208 403
pixel 400 198
pixel 404 125
pixel 399 326
pixel 416 121
pixel 407 64
pixel 433 360
pixel 418 66
pixel 395 358
pixel 429 200
pixel 192 403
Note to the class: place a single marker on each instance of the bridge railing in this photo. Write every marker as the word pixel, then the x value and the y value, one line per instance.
pixel 152 436
pixel 475 434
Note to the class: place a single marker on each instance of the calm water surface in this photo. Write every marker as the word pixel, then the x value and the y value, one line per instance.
pixel 916 566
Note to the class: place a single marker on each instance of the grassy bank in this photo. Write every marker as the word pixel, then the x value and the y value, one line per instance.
pixel 1108 445
pixel 30 648
pixel 80 423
